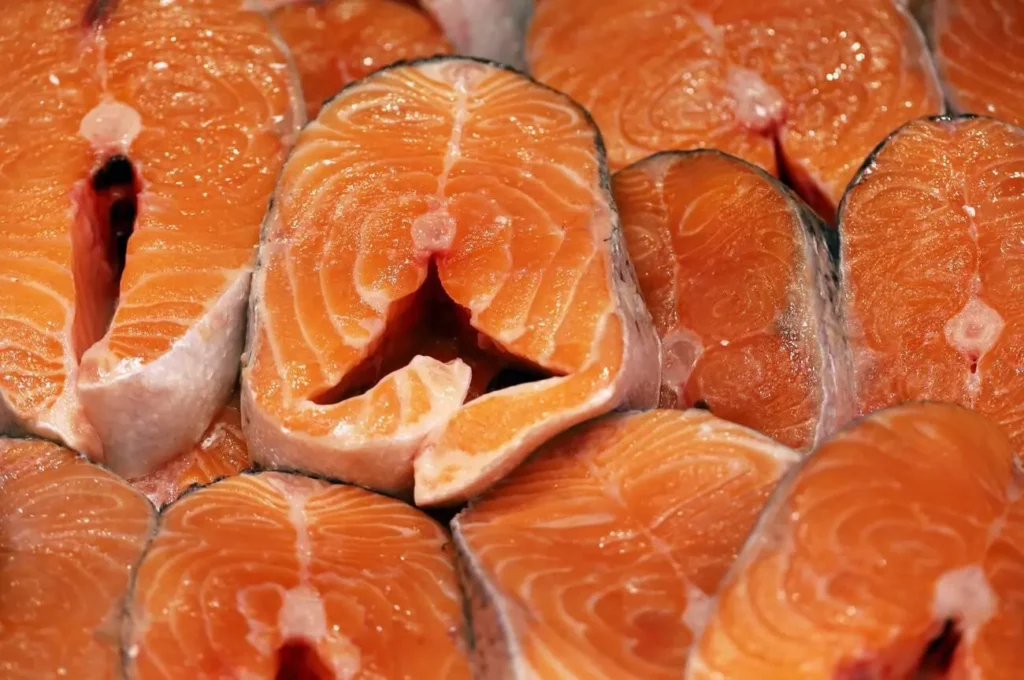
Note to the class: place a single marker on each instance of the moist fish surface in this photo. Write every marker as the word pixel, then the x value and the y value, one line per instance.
pixel 599 557
pixel 221 452
pixel 337 42
pixel 979 54
pixel 445 190
pixel 142 140
pixel 70 535
pixel 802 88
pixel 896 550
pixel 930 235
pixel 275 575
pixel 739 278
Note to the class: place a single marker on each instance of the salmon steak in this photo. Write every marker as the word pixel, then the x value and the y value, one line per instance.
pixel 220 453
pixel 599 556
pixel 931 234
pixel 337 42
pixel 142 140
pixel 281 576
pixel 801 88
pixel 739 277
pixel 979 53
pixel 895 551
pixel 71 534
pixel 441 189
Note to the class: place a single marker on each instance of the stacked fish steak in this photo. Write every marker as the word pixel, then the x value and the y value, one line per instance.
pixel 695 353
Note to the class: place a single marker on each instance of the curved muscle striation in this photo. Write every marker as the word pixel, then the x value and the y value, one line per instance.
pixel 598 558
pixel 896 550
pixel 497 183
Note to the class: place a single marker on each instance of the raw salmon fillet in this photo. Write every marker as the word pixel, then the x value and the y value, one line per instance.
pixel 275 576
pixel 931 235
pixel 896 552
pixel 448 175
pixel 220 453
pixel 800 87
pixel 739 278
pixel 163 121
pixel 70 535
pixel 337 42
pixel 979 53
pixel 598 557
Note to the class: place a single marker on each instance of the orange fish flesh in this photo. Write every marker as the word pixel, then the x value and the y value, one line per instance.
pixel 739 277
pixel 599 556
pixel 895 551
pixel 281 576
pixel 338 42
pixel 979 54
pixel 71 534
pixel 930 235
pixel 165 122
pixel 803 88
pixel 472 175
pixel 220 453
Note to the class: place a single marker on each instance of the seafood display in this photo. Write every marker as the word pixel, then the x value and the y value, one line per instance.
pixel 512 340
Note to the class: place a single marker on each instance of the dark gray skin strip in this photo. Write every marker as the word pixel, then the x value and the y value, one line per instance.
pixel 97 12
pixel 489 634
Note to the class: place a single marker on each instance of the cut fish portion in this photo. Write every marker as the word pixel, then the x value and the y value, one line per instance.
pixel 340 41
pixel 70 535
pixel 140 149
pixel 281 576
pixel 220 453
pixel 445 181
pixel 490 29
pixel 740 281
pixel 599 556
pixel 979 53
pixel 931 234
pixel 895 551
pixel 802 88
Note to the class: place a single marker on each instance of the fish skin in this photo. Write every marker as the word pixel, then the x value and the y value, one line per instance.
pixel 71 534
pixel 595 557
pixel 488 29
pixel 976 47
pixel 150 385
pixel 624 61
pixel 299 436
pixel 950 181
pixel 221 452
pixel 242 566
pixel 811 598
pixel 190 380
pixel 805 379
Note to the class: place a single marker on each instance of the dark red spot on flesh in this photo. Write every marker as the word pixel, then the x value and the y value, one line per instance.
pixel 931 659
pixel 105 210
pixel 96 12
pixel 937 660
pixel 298 660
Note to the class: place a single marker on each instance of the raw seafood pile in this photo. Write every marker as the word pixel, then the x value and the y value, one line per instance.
pixel 510 339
